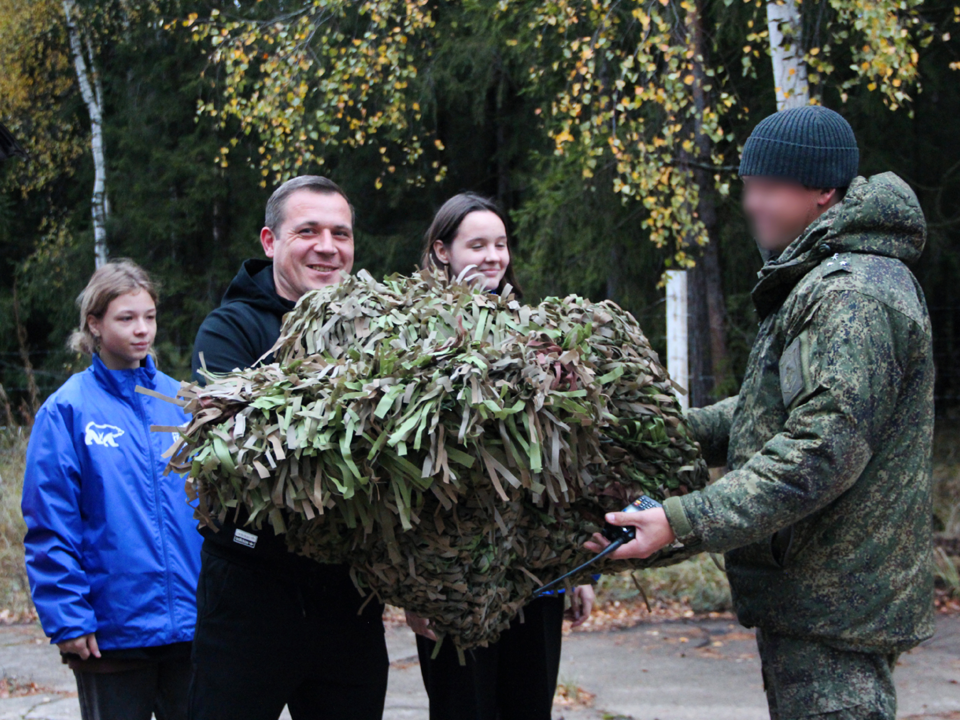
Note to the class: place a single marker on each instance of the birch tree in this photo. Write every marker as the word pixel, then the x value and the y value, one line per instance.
pixel 627 80
pixel 329 73
pixel 36 72
pixel 849 45
pixel 785 26
pixel 91 90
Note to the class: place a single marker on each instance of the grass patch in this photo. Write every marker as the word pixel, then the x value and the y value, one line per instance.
pixel 14 588
pixel 946 481
pixel 698 584
pixel 946 512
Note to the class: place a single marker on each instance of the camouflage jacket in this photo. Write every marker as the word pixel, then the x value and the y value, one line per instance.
pixel 825 513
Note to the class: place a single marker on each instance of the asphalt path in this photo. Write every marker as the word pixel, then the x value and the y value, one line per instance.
pixel 679 670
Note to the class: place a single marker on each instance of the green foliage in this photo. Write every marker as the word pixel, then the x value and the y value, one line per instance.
pixel 591 242
pixel 36 81
pixel 624 84
pixel 328 73
pixel 176 211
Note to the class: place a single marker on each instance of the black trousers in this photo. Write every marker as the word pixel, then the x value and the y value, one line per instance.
pixel 137 694
pixel 512 679
pixel 266 639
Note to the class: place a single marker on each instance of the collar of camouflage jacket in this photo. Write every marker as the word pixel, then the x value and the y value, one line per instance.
pixel 879 216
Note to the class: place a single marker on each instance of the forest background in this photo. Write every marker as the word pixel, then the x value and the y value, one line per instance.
pixel 608 129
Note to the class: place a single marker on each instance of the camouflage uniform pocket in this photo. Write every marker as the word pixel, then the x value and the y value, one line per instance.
pixel 781 544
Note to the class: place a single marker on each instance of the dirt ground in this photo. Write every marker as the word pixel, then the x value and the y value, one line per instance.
pixel 682 669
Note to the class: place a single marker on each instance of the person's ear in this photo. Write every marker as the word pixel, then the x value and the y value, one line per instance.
pixel 826 197
pixel 93 322
pixel 269 242
pixel 440 250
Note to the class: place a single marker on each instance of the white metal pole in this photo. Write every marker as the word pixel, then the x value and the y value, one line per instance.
pixel 677 347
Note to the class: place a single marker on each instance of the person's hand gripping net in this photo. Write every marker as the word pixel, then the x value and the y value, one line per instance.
pixel 652 533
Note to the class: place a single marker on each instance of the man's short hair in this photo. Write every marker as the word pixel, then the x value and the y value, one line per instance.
pixel 276 205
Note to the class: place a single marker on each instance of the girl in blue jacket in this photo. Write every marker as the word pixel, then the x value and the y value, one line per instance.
pixel 112 549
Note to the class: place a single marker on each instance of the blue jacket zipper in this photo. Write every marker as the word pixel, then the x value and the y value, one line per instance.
pixel 158 511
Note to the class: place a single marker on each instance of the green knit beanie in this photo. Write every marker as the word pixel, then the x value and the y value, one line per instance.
pixel 811 145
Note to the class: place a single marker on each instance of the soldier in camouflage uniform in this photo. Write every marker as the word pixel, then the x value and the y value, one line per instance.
pixel 825 513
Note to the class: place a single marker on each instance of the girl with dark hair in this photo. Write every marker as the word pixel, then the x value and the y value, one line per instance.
pixel 516 677
pixel 469 230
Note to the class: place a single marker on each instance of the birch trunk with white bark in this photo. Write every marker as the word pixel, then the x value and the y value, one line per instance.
pixel 786 51
pixel 678 362
pixel 91 90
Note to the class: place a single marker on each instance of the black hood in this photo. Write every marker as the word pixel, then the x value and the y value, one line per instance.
pixel 254 286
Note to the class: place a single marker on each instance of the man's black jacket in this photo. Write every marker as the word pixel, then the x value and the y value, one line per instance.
pixel 236 335
pixel 247 323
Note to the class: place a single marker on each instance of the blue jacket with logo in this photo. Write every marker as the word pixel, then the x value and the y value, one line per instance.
pixel 111 544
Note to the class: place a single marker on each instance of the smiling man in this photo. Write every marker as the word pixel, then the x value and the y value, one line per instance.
pixel 274 628
pixel 308 240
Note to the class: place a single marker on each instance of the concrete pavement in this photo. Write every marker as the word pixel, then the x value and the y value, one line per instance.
pixel 683 670
pixel 710 670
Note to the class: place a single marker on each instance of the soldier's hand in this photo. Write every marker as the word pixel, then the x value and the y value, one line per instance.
pixel 653 533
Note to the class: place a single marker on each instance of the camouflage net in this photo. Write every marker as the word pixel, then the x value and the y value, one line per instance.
pixel 455 447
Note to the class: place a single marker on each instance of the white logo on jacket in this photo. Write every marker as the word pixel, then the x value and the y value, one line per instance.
pixel 105 435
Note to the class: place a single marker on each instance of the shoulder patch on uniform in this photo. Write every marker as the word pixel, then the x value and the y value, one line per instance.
pixel 791 373
pixel 796 377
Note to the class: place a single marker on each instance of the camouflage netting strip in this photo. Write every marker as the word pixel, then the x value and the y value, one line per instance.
pixel 455 447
